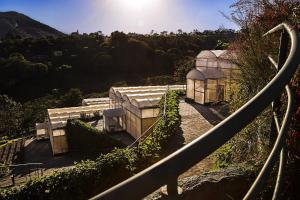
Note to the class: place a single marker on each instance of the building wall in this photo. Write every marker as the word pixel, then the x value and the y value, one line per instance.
pixel 146 123
pixel 133 124
pixel 59 144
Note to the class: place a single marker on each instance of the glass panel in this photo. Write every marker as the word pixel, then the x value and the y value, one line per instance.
pixel 199 86
pixel 227 73
pixel 220 92
pixel 138 130
pixel 211 96
pixel 212 64
pixel 190 89
pixel 202 68
pixel 211 84
pixel 199 97
pixel 132 125
pixel 201 62
pixel 211 93
pixel 147 113
pixel 225 64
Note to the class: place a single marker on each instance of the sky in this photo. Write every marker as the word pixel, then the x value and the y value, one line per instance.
pixel 139 16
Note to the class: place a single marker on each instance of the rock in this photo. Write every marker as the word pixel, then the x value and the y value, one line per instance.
pixel 229 183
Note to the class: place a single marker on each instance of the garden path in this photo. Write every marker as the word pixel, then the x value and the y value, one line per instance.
pixel 196 120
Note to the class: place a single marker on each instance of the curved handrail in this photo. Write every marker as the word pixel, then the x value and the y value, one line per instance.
pixel 267 168
pixel 168 169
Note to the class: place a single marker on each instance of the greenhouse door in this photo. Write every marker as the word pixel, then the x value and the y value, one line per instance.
pixel 199 91
pixel 220 92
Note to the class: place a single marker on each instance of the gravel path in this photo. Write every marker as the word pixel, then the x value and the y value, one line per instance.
pixel 195 121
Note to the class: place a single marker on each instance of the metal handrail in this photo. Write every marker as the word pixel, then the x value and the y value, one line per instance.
pixel 166 171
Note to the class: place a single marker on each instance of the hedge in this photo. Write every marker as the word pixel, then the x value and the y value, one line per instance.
pixel 165 127
pixel 89 178
pixel 84 180
pixel 85 138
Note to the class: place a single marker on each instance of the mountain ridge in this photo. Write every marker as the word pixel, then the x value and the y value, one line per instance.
pixel 13 23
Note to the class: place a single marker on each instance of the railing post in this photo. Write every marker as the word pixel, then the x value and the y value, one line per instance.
pixel 282 56
pixel 171 189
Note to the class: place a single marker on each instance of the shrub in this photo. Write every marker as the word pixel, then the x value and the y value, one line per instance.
pixel 84 180
pixel 85 138
pixel 89 178
pixel 165 127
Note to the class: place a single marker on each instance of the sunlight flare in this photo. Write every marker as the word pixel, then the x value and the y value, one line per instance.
pixel 137 4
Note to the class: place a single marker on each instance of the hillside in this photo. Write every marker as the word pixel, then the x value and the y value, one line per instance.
pixel 17 24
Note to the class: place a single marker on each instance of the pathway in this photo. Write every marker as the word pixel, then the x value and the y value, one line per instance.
pixel 195 121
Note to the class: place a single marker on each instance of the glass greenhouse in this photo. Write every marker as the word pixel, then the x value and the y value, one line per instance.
pixel 95 101
pixel 140 105
pixel 212 78
pixel 131 109
pixel 54 125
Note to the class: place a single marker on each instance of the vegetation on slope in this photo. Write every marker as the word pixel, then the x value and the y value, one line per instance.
pixel 14 24
pixel 39 73
pixel 253 144
pixel 88 178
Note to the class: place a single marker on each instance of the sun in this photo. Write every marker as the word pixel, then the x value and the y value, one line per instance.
pixel 136 4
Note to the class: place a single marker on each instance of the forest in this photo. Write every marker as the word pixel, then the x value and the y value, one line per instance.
pixel 41 73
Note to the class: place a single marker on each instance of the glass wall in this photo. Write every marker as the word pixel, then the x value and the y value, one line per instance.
pixel 133 124
pixel 211 91
pixel 150 112
pixel 190 89
pixel 199 91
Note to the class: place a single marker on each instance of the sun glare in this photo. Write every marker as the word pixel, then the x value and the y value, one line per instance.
pixel 137 4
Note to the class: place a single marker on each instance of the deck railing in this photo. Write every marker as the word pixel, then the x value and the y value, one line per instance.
pixel 166 171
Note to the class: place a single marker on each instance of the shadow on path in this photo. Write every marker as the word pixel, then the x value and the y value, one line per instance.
pixel 205 111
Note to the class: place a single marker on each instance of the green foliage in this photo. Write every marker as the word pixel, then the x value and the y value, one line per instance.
pixel 94 62
pixel 160 80
pixel 11 116
pixel 166 126
pixel 84 180
pixel 72 98
pixel 85 138
pixel 223 156
pixel 16 69
pixel 36 110
pixel 3 169
pixel 89 178
pixel 221 45
pixel 64 67
pixel 182 68
pixel 252 144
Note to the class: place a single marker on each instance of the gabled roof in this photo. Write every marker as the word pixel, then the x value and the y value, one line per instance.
pixel 204 74
pixel 215 54
pixel 210 54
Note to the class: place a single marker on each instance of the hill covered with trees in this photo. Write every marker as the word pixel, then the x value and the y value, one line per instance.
pixel 31 68
pixel 14 24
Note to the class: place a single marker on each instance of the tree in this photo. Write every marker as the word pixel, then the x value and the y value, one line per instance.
pixel 182 68
pixel 72 98
pixel 221 45
pixel 11 116
pixel 255 18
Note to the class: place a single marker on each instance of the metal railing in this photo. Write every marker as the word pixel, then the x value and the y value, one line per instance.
pixel 167 171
